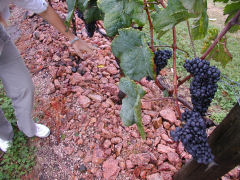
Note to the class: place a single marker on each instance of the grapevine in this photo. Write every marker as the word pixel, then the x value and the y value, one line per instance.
pixel 137 60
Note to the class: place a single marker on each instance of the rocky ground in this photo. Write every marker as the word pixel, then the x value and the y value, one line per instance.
pixel 77 99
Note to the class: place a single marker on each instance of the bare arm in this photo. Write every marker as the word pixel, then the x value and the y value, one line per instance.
pixel 53 18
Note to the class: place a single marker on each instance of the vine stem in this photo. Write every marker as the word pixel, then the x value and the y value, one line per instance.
pixel 191 39
pixel 228 26
pixel 175 71
pixel 172 47
pixel 162 3
pixel 174 66
pixel 150 24
pixel 151 35
pixel 231 23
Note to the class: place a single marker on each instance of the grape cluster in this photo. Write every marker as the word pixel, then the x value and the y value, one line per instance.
pixel 90 27
pixel 161 59
pixel 193 136
pixel 204 83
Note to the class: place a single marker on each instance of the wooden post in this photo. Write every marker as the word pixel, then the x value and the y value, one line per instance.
pixel 225 145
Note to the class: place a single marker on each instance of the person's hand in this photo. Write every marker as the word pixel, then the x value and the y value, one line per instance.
pixel 81 46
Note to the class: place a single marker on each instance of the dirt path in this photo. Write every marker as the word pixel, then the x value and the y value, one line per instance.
pixel 88 140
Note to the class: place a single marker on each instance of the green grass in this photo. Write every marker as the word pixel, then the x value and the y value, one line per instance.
pixel 225 98
pixel 20 157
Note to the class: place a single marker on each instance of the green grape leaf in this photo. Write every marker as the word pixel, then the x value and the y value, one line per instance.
pixel 82 4
pixel 136 9
pixel 90 10
pixel 220 52
pixel 165 19
pixel 135 55
pixel 121 14
pixel 131 105
pixel 138 117
pixel 231 10
pixel 193 6
pixel 200 25
pixel 92 13
pixel 71 8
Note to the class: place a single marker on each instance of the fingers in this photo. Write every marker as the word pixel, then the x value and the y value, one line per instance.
pixel 93 48
pixel 81 46
pixel 88 48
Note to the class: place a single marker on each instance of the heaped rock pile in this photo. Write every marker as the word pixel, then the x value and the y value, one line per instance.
pixel 77 98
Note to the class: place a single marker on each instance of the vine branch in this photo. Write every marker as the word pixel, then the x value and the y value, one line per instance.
pixel 150 24
pixel 228 26
pixel 231 23
pixel 175 71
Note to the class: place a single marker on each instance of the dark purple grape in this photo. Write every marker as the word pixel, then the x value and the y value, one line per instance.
pixel 193 136
pixel 161 59
pixel 204 83
pixel 74 69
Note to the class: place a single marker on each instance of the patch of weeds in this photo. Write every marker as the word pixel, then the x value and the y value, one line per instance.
pixel 20 157
pixel 63 136
pixel 225 98
pixel 218 116
pixel 36 119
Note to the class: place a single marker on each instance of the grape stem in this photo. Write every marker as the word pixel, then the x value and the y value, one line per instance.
pixel 231 23
pixel 150 24
pixel 162 3
pixel 172 47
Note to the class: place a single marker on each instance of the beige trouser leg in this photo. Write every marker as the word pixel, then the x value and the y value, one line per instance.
pixel 19 87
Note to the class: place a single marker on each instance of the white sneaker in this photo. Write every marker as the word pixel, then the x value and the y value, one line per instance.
pixel 42 131
pixel 4 145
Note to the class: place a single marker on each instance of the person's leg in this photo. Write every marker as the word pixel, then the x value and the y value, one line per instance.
pixel 18 85
pixel 6 131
